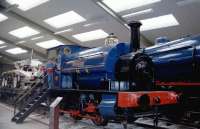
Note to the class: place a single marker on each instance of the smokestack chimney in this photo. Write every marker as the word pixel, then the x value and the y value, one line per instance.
pixel 135 36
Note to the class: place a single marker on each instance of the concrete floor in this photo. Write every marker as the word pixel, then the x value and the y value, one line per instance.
pixel 35 121
pixel 5 121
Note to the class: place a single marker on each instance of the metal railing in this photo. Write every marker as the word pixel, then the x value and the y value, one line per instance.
pixel 27 95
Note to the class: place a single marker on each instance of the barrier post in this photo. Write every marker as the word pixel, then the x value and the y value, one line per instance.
pixel 54 113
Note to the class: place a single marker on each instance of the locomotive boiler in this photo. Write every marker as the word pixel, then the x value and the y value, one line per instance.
pixel 114 82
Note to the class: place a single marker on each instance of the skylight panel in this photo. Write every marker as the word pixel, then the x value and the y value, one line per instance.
pixel 65 19
pixel 16 50
pixel 1 42
pixel 49 44
pixel 24 32
pixel 27 4
pixel 122 5
pixel 3 17
pixel 159 22
pixel 91 35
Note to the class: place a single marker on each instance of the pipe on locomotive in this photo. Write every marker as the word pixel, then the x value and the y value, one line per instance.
pixel 135 36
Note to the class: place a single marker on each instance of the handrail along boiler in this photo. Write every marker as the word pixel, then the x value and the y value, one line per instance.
pixel 115 82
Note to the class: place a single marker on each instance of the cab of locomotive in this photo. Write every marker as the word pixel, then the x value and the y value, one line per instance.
pixel 56 58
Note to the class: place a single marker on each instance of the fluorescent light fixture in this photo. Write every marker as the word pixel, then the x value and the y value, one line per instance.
pixel 49 44
pixel 36 38
pixel 187 2
pixel 0 56
pixel 91 35
pixel 21 42
pixel 1 42
pixel 122 5
pixel 27 4
pixel 159 22
pixel 16 50
pixel 63 31
pixel 65 19
pixel 91 24
pixel 138 13
pixel 1 47
pixel 24 32
pixel 3 17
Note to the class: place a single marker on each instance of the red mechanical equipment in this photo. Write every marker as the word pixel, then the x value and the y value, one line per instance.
pixel 151 98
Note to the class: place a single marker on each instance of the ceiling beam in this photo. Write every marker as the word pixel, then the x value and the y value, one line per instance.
pixel 119 19
pixel 23 47
pixel 5 59
pixel 39 27
pixel 9 57
pixel 7 9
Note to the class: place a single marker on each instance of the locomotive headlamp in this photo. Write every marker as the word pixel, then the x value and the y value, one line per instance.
pixel 67 51
pixel 111 40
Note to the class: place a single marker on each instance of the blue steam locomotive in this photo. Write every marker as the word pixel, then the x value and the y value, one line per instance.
pixel 114 82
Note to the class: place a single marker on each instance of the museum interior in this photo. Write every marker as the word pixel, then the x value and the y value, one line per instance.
pixel 99 64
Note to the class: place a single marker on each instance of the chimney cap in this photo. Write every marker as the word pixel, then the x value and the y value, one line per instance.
pixel 135 24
